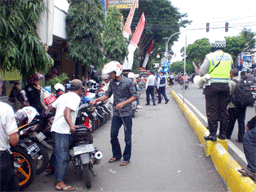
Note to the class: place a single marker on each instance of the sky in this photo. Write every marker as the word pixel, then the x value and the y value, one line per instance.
pixel 238 14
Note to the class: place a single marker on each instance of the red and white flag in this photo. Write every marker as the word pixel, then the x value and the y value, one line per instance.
pixel 127 27
pixel 197 70
pixel 128 62
pixel 148 54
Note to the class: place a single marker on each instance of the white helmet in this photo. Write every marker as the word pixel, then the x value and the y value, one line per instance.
pixel 131 75
pixel 59 86
pixel 112 66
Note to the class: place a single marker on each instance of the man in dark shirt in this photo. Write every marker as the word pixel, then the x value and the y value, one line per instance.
pixel 248 77
pixel 249 143
pixel 124 94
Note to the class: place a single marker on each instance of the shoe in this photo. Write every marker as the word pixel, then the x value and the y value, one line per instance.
pixel 239 141
pixel 139 107
pixel 154 104
pixel 222 137
pixel 211 138
pixel 147 104
pixel 159 102
pixel 166 101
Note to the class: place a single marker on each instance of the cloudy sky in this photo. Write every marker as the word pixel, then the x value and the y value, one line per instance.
pixel 239 14
pixel 217 13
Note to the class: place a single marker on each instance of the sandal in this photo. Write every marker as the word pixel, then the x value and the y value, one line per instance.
pixel 124 163
pixel 247 173
pixel 67 188
pixel 113 159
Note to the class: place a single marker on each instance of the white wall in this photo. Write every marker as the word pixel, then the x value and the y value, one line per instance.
pixel 59 23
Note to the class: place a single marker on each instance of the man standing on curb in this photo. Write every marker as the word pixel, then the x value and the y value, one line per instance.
pixel 217 64
pixel 161 86
pixel 150 87
pixel 124 94
pixel 235 112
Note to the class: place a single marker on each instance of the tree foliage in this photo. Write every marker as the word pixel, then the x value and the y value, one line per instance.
pixel 162 20
pixel 20 46
pixel 84 25
pixel 114 44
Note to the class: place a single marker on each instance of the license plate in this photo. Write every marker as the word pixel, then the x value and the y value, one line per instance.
pixel 40 136
pixel 33 149
pixel 85 148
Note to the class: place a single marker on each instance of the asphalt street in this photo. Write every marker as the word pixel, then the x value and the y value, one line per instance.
pixel 196 100
pixel 166 156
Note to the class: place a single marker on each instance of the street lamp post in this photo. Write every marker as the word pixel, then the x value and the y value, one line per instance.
pixel 166 53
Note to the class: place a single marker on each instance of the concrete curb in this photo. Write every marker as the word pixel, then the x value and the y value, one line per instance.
pixel 218 151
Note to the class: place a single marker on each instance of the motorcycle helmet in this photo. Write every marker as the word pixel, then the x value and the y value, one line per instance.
pixel 113 66
pixel 58 86
pixel 25 115
pixel 131 75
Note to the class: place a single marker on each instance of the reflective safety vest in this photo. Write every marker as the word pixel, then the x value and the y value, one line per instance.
pixel 221 72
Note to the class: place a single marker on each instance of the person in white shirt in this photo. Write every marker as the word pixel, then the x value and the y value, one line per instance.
pixel 63 125
pixel 8 135
pixel 150 87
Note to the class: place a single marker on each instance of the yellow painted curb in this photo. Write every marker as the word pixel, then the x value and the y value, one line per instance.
pixel 224 163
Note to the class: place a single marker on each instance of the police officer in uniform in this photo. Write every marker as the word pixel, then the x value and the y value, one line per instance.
pixel 218 65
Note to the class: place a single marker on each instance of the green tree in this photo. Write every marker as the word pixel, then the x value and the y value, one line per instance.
pixel 20 46
pixel 162 20
pixel 114 44
pixel 84 25
pixel 196 52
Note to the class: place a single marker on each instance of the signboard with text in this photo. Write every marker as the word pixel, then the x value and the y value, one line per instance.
pixel 121 4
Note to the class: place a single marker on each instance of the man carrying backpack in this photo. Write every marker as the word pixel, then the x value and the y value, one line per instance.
pixel 161 86
pixel 217 64
pixel 241 97
pixel 236 112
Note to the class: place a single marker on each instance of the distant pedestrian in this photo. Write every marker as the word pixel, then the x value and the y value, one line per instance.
pixel 248 77
pixel 150 88
pixel 16 97
pixel 161 87
pixel 249 144
pixel 235 112
pixel 8 135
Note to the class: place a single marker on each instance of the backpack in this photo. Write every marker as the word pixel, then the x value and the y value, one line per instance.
pixel 162 80
pixel 242 94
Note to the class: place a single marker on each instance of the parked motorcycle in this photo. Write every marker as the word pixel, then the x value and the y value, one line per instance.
pixel 31 138
pixel 83 153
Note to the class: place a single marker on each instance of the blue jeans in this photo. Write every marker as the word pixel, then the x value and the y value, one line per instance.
pixel 161 91
pixel 60 155
pixel 150 91
pixel 249 143
pixel 115 126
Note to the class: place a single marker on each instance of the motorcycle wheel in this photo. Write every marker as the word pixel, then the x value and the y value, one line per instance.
pixel 41 164
pixel 27 170
pixel 87 176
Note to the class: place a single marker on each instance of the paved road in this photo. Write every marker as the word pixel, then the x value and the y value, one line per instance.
pixel 195 98
pixel 166 156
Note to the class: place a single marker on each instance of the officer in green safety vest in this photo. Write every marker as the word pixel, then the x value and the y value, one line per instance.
pixel 218 65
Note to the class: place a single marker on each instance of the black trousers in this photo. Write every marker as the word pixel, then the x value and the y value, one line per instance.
pixel 237 113
pixel 217 99
pixel 8 179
